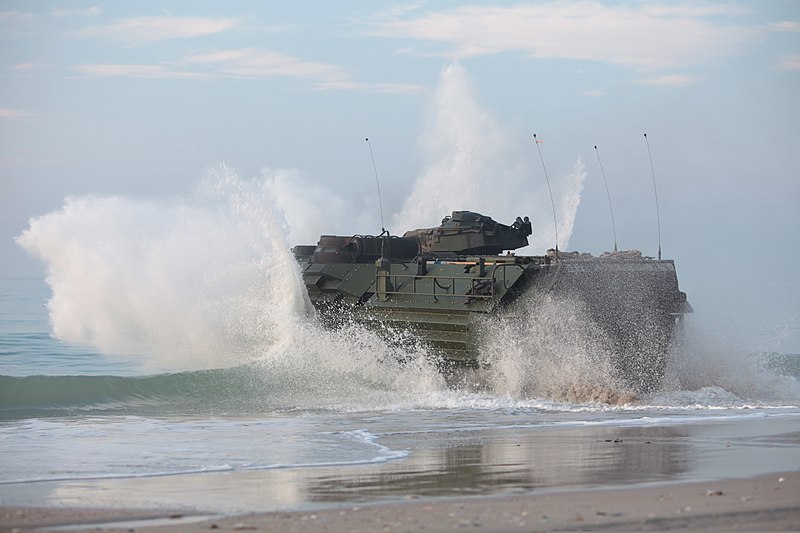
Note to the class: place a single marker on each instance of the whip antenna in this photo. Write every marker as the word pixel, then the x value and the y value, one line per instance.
pixel 608 194
pixel 377 184
pixel 655 192
pixel 552 202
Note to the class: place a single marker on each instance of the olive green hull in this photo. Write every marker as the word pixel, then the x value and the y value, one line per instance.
pixel 443 303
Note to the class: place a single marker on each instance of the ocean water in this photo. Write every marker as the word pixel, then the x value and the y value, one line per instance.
pixel 87 407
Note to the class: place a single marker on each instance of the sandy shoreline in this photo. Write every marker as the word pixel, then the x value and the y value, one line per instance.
pixel 766 502
pixel 741 474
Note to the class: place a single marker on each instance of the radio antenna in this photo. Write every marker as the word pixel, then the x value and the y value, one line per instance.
pixel 655 192
pixel 377 184
pixel 550 189
pixel 608 194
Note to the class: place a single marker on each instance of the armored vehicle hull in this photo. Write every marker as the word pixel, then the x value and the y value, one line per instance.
pixel 439 285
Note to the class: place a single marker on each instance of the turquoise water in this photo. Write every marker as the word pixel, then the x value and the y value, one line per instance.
pixel 27 346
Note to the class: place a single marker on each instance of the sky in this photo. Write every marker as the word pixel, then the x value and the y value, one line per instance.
pixel 143 100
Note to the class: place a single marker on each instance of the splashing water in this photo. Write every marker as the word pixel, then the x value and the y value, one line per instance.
pixel 550 348
pixel 299 200
pixel 204 282
pixel 353 368
pixel 197 283
pixel 471 166
pixel 567 189
pixel 463 146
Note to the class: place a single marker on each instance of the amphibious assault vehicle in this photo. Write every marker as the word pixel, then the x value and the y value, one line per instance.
pixel 439 285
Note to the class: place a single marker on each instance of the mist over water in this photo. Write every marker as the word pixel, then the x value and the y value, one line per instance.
pixel 208 281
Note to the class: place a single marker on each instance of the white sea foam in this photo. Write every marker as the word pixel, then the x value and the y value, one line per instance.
pixel 109 448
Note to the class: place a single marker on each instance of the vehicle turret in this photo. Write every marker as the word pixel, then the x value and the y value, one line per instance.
pixel 470 233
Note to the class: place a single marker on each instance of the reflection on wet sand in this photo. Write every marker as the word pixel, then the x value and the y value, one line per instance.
pixel 516 461
pixel 447 461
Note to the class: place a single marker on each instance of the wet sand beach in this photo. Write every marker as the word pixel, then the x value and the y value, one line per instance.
pixel 718 475
pixel 768 502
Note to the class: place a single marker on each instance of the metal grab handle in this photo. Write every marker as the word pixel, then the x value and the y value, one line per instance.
pixel 504 266
pixel 437 284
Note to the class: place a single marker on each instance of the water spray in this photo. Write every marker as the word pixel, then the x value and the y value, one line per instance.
pixel 550 189
pixel 608 194
pixel 377 184
pixel 655 192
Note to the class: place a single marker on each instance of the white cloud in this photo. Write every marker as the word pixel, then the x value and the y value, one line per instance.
pixel 253 63
pixel 690 9
pixel 257 63
pixel 789 62
pixel 88 12
pixel 249 64
pixel 385 88
pixel 27 67
pixel 138 71
pixel 784 25
pixel 638 35
pixel 152 29
pixel 11 113
pixel 594 92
